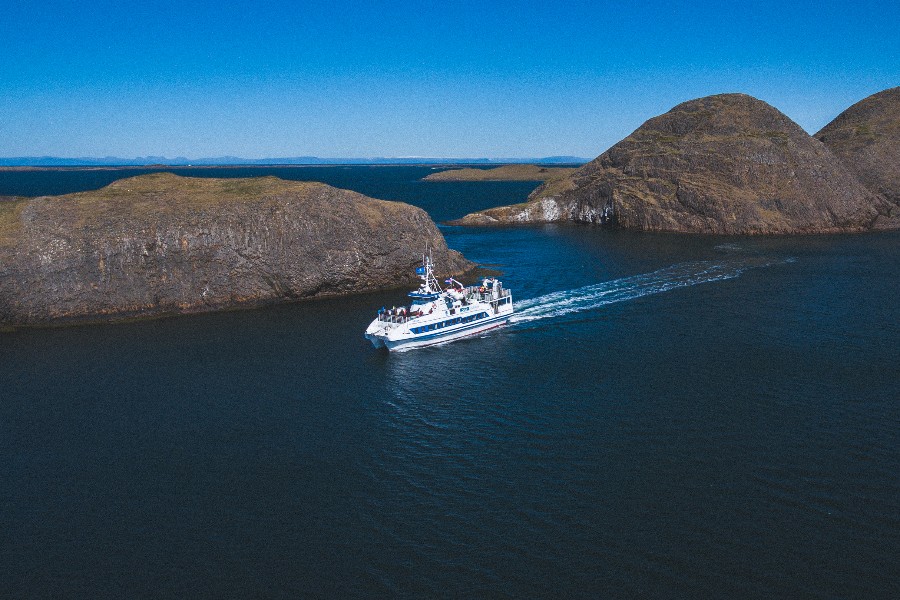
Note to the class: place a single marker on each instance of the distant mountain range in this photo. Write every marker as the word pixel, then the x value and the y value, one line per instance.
pixel 114 161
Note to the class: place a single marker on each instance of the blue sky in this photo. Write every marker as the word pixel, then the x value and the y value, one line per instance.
pixel 362 79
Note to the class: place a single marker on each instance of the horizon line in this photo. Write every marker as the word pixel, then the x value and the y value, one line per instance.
pixel 226 160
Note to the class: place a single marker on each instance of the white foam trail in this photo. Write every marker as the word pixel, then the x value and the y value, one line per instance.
pixel 591 297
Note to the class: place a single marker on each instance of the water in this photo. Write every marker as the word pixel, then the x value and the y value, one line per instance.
pixel 666 416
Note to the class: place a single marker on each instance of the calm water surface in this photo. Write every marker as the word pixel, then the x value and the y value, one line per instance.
pixel 668 416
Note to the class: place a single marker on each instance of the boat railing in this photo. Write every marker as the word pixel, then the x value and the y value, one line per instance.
pixel 386 317
pixel 474 292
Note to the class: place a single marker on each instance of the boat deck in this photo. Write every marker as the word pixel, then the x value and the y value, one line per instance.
pixel 472 294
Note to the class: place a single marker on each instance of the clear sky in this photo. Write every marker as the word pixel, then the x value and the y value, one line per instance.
pixel 443 79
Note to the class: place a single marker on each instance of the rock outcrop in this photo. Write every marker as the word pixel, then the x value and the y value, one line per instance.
pixel 725 164
pixel 164 244
pixel 504 173
pixel 866 137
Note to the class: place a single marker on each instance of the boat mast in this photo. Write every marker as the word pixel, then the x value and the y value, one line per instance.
pixel 430 281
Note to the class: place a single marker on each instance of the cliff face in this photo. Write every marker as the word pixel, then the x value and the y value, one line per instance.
pixel 727 164
pixel 866 137
pixel 160 243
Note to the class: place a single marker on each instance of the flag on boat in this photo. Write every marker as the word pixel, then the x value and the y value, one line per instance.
pixel 448 281
pixel 420 270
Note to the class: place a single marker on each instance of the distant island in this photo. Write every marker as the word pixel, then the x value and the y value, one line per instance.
pixel 732 164
pixel 518 172
pixel 163 244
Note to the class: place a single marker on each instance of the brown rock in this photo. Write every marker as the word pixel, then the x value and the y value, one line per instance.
pixel 726 164
pixel 866 137
pixel 160 244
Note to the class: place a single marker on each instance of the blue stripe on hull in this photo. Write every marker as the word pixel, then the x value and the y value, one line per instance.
pixel 448 333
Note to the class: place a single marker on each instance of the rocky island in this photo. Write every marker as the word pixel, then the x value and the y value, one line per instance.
pixel 163 244
pixel 866 137
pixel 723 164
pixel 504 173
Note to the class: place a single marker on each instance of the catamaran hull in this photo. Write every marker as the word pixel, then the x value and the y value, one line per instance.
pixel 376 340
pixel 438 337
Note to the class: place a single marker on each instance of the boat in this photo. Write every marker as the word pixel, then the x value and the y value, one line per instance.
pixel 436 315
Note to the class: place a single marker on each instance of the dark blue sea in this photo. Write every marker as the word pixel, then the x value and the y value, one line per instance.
pixel 668 416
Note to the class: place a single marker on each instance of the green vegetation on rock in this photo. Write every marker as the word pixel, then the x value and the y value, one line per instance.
pixel 10 211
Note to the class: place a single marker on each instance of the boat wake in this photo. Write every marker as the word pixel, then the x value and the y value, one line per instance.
pixel 557 304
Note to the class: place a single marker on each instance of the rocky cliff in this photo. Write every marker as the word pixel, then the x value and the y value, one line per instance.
pixel 160 243
pixel 866 137
pixel 727 164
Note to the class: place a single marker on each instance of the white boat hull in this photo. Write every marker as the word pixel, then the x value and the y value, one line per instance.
pixel 410 341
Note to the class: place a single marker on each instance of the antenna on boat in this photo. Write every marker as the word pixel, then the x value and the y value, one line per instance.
pixel 426 272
